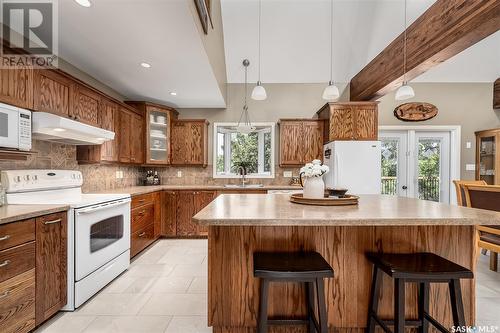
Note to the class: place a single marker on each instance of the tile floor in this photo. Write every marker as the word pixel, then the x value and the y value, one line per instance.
pixel 165 291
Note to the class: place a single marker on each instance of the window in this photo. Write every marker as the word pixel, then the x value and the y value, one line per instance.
pixel 254 151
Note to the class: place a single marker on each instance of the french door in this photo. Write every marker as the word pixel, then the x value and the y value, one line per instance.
pixel 416 164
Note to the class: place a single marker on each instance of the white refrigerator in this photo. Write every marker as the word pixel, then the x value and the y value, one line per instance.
pixel 354 165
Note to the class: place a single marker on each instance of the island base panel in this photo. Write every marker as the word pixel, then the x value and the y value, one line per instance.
pixel 233 292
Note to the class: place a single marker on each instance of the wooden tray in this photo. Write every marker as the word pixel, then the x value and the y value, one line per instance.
pixel 326 201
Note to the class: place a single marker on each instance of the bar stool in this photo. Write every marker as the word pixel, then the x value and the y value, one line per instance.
pixel 309 268
pixel 422 268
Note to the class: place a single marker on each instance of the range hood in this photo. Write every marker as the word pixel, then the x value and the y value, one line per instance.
pixel 50 127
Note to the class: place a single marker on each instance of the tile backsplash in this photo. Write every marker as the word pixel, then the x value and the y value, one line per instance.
pixel 101 177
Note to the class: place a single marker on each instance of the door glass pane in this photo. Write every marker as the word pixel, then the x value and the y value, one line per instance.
pixel 429 169
pixel 487 150
pixel 389 166
pixel 158 136
pixel 105 233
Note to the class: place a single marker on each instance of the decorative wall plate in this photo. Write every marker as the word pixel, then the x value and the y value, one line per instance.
pixel 416 111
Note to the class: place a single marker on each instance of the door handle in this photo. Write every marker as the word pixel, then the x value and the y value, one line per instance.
pixel 52 222
pixel 404 187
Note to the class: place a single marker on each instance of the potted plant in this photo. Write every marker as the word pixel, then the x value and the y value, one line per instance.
pixel 314 186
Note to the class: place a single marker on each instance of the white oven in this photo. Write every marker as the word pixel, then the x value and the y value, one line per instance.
pixel 15 127
pixel 102 233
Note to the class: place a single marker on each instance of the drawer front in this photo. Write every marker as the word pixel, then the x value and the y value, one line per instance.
pixel 141 239
pixel 17 303
pixel 16 233
pixel 140 200
pixel 16 260
pixel 142 217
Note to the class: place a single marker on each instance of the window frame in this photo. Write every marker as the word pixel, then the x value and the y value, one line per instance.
pixel 226 160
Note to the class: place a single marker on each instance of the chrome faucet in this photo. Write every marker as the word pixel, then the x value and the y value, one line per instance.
pixel 242 170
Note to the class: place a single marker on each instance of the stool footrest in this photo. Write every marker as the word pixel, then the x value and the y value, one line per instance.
pixel 284 321
pixel 435 323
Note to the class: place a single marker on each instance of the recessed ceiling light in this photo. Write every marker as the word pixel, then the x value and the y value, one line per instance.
pixel 145 65
pixel 57 129
pixel 84 3
pixel 173 93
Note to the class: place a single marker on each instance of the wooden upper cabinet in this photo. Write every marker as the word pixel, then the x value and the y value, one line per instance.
pixel 189 142
pixel 291 142
pixel 51 263
pixel 137 139
pixel 16 87
pixel 125 135
pixel 157 120
pixel 86 105
pixel 53 92
pixel 110 121
pixel 350 121
pixel 313 140
pixel 301 141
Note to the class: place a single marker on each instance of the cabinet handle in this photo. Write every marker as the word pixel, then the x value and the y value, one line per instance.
pixel 4 237
pixel 52 222
pixel 5 263
pixel 142 234
pixel 5 294
pixel 142 212
pixel 141 200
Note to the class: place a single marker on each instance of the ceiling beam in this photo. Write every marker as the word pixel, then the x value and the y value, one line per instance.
pixel 445 29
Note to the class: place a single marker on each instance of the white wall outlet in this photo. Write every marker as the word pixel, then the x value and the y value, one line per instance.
pixel 179 174
pixel 468 145
pixel 117 174
pixel 470 167
pixel 287 174
pixel 121 174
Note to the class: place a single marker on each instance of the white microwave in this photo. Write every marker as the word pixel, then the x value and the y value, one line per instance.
pixel 15 127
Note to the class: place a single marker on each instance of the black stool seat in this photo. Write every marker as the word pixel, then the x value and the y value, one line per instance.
pixel 290 265
pixel 309 268
pixel 423 268
pixel 418 265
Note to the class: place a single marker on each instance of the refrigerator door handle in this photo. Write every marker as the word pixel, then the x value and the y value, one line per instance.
pixel 337 171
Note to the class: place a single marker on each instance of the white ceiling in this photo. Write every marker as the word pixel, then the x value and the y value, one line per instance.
pixel 296 49
pixel 110 39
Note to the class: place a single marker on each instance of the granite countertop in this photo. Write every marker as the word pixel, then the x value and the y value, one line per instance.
pixel 137 190
pixel 373 210
pixel 12 213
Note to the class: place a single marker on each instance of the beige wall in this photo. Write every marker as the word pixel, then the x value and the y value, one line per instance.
pixel 213 42
pixel 466 104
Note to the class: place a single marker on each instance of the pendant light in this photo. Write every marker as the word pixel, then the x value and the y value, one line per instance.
pixel 244 124
pixel 259 92
pixel 405 91
pixel 331 91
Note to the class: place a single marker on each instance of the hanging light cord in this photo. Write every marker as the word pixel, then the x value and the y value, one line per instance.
pixel 331 42
pixel 260 13
pixel 244 113
pixel 404 51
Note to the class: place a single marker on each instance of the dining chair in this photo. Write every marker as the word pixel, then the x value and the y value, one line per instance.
pixel 486 197
pixel 459 187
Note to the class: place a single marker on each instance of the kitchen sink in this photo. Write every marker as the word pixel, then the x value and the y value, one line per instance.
pixel 244 186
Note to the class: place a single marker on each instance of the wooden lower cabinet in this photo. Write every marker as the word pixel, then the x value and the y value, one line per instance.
pixel 145 221
pixel 51 260
pixel 17 303
pixel 188 204
pixel 33 276
pixel 169 214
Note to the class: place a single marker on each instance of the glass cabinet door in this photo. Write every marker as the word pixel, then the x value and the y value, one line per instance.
pixel 158 132
pixel 487 159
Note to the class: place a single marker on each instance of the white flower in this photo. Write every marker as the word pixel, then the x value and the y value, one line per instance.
pixel 314 169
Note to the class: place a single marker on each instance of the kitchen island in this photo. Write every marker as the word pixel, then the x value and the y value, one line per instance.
pixel 239 225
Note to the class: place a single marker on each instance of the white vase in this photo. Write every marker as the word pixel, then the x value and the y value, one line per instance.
pixel 314 188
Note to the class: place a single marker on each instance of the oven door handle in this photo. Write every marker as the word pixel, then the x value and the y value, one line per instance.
pixel 103 206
